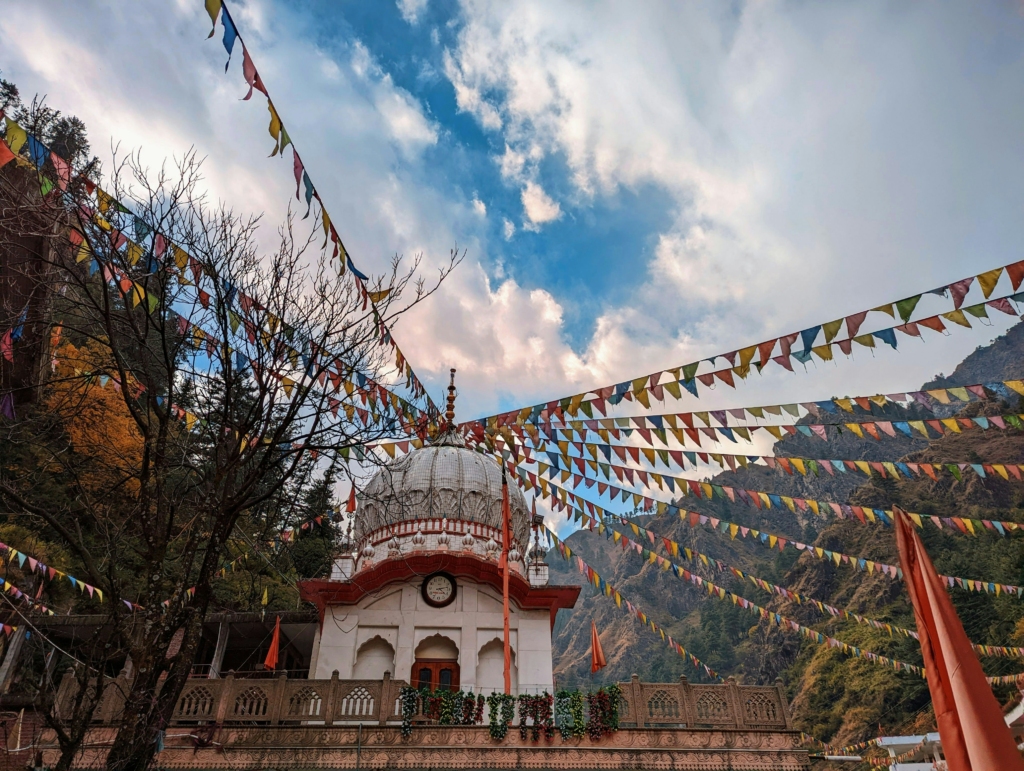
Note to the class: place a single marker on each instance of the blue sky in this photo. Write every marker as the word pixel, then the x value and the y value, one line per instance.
pixel 635 185
pixel 587 257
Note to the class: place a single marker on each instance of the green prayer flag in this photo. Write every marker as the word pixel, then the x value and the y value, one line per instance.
pixel 906 307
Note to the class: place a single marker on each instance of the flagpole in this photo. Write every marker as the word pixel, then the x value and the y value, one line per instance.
pixel 504 576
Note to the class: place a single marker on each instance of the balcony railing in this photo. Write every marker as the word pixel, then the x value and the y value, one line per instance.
pixel 283 701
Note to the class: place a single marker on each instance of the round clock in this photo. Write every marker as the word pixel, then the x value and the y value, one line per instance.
pixel 438 590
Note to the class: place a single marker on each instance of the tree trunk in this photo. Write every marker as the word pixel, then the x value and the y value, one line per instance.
pixel 150 703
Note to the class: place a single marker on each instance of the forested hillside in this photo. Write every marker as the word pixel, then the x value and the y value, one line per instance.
pixel 835 697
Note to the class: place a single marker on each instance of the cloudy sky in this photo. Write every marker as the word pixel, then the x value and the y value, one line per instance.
pixel 636 185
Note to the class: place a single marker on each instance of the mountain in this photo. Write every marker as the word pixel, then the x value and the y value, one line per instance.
pixel 835 697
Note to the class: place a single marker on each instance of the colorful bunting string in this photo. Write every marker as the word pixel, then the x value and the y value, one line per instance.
pixel 765 500
pixel 675 549
pixel 874 429
pixel 669 380
pixel 586 510
pixel 135 293
pixel 555 415
pixel 608 590
pixel 589 456
pixel 35 566
pixel 277 130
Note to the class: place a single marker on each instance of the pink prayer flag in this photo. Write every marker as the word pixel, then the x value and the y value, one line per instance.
pixel 252 77
pixel 959 290
pixel 298 168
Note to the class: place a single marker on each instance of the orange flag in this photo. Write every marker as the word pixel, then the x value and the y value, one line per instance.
pixel 350 507
pixel 974 735
pixel 270 662
pixel 597 660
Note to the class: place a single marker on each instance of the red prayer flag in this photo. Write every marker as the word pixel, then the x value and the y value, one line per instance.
pixel 597 660
pixel 350 507
pixel 270 662
pixel 6 156
pixel 974 734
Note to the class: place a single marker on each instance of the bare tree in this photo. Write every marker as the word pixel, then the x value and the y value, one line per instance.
pixel 198 388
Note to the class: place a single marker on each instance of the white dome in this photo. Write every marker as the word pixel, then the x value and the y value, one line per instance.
pixel 442 480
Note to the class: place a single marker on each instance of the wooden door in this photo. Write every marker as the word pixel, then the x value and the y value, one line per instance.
pixel 435 674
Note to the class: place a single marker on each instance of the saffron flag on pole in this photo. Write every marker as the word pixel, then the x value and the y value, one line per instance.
pixel 974 735
pixel 597 660
pixel 270 662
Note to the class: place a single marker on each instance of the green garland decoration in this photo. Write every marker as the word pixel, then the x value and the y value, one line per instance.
pixel 409 698
pixel 502 711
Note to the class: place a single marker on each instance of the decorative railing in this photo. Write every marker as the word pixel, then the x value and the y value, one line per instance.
pixel 685 704
pixel 285 701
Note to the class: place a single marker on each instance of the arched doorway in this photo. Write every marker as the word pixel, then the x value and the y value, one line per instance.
pixel 437 665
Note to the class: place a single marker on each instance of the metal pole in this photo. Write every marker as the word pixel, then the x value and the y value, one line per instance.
pixel 505 537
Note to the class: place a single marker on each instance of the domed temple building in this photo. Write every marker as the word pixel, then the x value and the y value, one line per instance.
pixel 416 597
pixel 418 592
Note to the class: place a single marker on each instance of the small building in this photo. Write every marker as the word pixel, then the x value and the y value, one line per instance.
pixel 418 592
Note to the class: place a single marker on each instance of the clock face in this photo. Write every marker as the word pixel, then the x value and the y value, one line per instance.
pixel 439 589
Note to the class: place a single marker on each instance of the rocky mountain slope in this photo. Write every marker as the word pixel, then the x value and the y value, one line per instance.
pixel 835 697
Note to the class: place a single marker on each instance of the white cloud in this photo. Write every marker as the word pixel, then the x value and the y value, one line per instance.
pixel 468 98
pixel 837 156
pixel 479 207
pixel 538 206
pixel 407 124
pixel 817 160
pixel 411 9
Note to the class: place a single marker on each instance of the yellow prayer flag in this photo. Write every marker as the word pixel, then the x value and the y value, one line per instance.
pixel 133 253
pixel 957 317
pixel 16 136
pixel 988 280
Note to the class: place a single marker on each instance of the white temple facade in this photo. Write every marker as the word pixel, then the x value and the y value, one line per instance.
pixel 417 591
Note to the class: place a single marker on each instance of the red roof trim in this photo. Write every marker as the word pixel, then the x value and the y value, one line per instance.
pixel 461 565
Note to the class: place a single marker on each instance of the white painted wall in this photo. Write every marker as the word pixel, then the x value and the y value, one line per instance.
pixel 399 617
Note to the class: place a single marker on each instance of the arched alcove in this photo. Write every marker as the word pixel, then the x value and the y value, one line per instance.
pixel 373 659
pixel 437 646
pixel 490 668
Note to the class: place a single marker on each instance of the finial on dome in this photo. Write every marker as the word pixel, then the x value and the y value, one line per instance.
pixel 449 434
pixel 449 414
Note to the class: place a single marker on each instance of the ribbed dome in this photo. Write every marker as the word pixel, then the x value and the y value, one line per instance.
pixel 441 480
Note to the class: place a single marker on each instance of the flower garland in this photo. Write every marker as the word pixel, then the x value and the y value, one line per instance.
pixel 448 702
pixel 472 708
pixel 569 714
pixel 538 709
pixel 410 700
pixel 444 707
pixel 603 707
pixel 502 711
